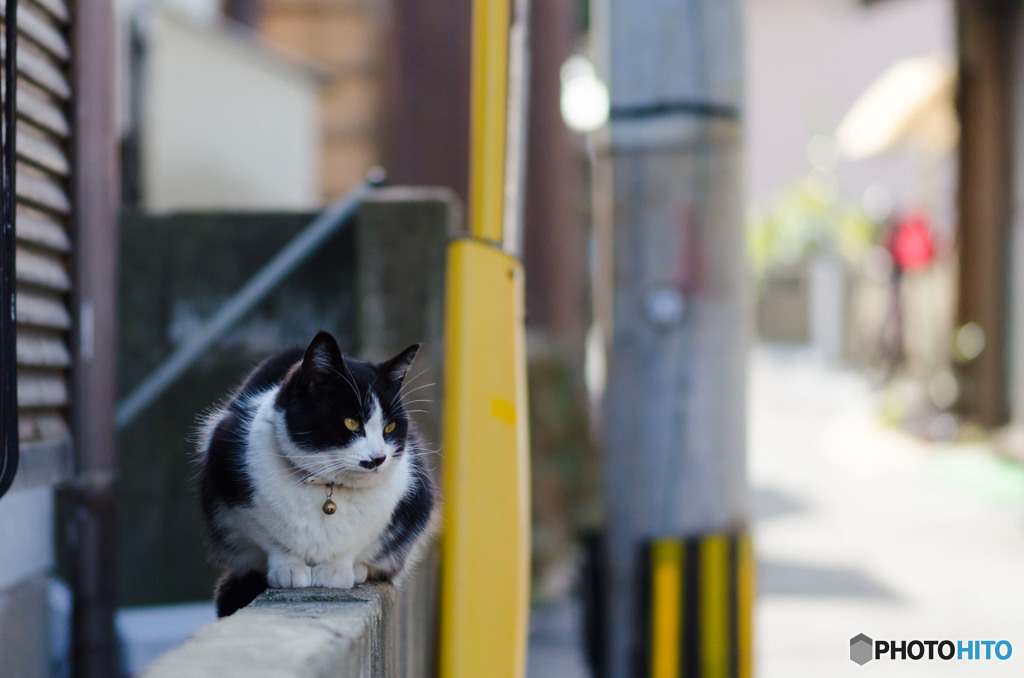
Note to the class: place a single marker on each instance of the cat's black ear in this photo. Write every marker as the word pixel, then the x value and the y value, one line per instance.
pixel 322 356
pixel 396 368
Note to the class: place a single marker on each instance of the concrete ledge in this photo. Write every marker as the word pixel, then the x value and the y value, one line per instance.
pixel 373 631
pixel 318 633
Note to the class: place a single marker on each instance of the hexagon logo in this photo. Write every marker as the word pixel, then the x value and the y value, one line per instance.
pixel 861 649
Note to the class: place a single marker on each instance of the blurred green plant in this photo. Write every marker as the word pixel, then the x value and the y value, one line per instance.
pixel 808 218
pixel 565 467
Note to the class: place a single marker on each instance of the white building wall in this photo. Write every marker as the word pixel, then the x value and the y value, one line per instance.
pixel 807 61
pixel 225 123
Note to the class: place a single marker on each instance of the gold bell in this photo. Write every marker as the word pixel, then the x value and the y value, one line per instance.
pixel 329 506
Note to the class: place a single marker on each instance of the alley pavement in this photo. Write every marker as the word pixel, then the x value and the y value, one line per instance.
pixel 858 528
pixel 863 529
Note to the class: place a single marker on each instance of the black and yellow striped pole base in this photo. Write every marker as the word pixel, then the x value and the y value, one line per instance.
pixel 698 598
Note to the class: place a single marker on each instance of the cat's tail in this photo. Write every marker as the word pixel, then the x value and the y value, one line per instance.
pixel 236 590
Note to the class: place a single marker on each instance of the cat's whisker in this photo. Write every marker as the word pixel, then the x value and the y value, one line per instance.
pixel 351 382
pixel 299 456
pixel 328 473
pixel 418 388
pixel 348 380
pixel 408 383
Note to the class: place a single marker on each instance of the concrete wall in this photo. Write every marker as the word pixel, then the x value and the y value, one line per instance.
pixel 225 123
pixel 26 532
pixel 379 284
pixel 173 275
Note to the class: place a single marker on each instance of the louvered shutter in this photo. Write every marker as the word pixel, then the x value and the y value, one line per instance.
pixel 43 213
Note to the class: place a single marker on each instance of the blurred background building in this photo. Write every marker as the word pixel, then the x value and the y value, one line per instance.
pixel 883 160
pixel 838 156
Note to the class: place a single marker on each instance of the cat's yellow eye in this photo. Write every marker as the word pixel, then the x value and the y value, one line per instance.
pixel 389 428
pixel 351 424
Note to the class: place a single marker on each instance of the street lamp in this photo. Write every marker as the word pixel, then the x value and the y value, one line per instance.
pixel 584 100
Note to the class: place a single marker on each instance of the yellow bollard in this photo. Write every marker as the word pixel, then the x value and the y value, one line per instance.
pixel 485 544
pixel 666 607
pixel 699 602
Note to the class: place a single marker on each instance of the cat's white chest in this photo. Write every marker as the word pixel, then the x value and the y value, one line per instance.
pixel 291 513
pixel 306 531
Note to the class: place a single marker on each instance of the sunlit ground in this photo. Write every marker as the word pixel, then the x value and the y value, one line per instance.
pixel 862 529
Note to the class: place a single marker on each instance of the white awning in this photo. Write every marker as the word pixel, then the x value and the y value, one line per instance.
pixel 912 102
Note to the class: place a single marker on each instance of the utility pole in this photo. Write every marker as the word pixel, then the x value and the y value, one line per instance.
pixel 986 33
pixel 673 302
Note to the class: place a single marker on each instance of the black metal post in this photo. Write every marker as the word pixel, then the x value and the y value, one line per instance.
pixel 8 316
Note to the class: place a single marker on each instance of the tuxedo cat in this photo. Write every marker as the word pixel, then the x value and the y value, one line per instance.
pixel 313 475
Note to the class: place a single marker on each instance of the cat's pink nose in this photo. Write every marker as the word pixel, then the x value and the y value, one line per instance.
pixel 373 463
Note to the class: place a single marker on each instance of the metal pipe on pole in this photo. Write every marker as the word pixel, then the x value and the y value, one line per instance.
pixel 92 529
pixel 675 316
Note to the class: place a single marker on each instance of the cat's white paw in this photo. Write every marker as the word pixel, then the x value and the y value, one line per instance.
pixel 290 577
pixel 361 572
pixel 334 575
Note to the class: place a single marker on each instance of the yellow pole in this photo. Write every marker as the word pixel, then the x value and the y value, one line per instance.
pixel 485 543
pixel 488 97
